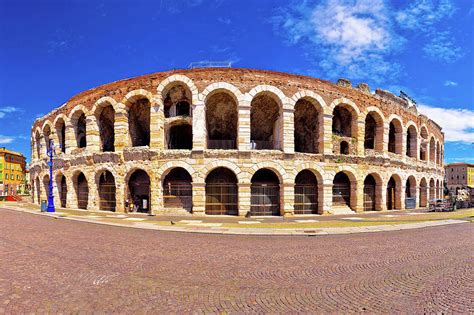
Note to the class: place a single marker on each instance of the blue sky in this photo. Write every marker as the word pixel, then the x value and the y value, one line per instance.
pixel 51 50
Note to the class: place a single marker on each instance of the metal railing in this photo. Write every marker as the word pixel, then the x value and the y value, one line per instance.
pixel 178 195
pixel 306 199
pixel 341 195
pixel 221 144
pixel 221 199
pixel 369 197
pixel 107 201
pixel 263 145
pixel 265 199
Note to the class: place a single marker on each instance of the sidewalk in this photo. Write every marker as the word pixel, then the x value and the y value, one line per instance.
pixel 297 225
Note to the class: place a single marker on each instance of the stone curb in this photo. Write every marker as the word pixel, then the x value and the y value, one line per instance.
pixel 257 231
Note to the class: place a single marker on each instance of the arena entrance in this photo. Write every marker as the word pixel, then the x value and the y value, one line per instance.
pixel 423 193
pixel 46 186
pixel 82 191
pixel 107 190
pixel 341 190
pixel 369 193
pixel 265 193
pixel 63 191
pixel 392 194
pixel 410 193
pixel 221 192
pixel 178 189
pixel 139 192
pixel 306 193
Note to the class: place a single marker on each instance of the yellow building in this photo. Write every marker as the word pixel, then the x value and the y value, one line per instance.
pixel 12 172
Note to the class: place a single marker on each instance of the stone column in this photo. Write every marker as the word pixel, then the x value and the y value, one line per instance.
pixel 401 196
pixel 93 202
pixel 360 138
pixel 243 138
pixel 70 140
pixel 155 202
pixel 71 201
pixel 199 198
pixel 386 129
pixel 381 197
pixel 359 196
pixel 121 128
pixel 327 137
pixel 417 196
pixel 119 194
pixel 287 199
pixel 199 127
pixel 156 126
pixel 244 198
pixel 288 129
pixel 327 197
pixel 92 135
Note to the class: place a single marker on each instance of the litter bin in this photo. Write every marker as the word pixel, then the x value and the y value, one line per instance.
pixel 44 205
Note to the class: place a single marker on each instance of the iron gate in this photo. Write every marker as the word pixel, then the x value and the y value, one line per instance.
pixel 178 195
pixel 341 194
pixel 63 194
pixel 265 199
pixel 221 199
pixel 107 197
pixel 82 195
pixel 306 199
pixel 369 197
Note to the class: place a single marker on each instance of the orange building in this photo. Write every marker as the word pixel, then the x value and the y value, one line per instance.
pixel 12 172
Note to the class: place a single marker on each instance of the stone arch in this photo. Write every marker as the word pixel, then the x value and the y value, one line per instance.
pixel 221 192
pixel 344 189
pixel 222 115
pixel 411 140
pixel 308 123
pixel 266 117
pixel 61 184
pixel 168 166
pixel 81 187
pixel 104 113
pixel 242 177
pixel 265 192
pixel 37 142
pixel 307 94
pixel 138 190
pixel 438 192
pixel 274 167
pixel 394 192
pixel 410 192
pixel 424 143
pixel 395 134
pixel 106 188
pixel 45 182
pixel 307 192
pixel 432 189
pixel 345 115
pixel 373 185
pixel 432 150
pixel 374 129
pixel 138 104
pixel 47 134
pixel 176 79
pixel 77 117
pixel 438 153
pixel 59 125
pixel 177 189
pixel 38 189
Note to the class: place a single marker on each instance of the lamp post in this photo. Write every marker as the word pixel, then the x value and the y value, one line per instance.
pixel 50 152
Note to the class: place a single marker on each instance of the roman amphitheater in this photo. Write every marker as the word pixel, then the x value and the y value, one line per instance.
pixel 227 141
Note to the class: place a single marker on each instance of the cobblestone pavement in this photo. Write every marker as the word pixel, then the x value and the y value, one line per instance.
pixel 57 266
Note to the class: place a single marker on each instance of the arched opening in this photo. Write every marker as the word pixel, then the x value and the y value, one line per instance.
pixel 342 121
pixel 370 132
pixel 107 201
pixel 82 191
pixel 38 144
pixel 265 121
pixel 139 192
pixel 341 190
pixel 265 193
pixel 221 121
pixel 307 127
pixel 423 193
pixel 180 137
pixel 38 190
pixel 61 132
pixel 424 144
pixel 106 122
pixel 178 189
pixel 47 136
pixel 79 124
pixel 395 137
pixel 432 150
pixel 432 189
pixel 393 193
pixel 139 122
pixel 46 186
pixel 411 142
pixel 438 154
pixel 62 185
pixel 177 101
pixel 221 192
pixel 410 193
pixel 438 192
pixel 369 193
pixel 344 148
pixel 306 193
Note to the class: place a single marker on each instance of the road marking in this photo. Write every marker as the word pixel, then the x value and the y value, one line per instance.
pixel 304 221
pixel 249 222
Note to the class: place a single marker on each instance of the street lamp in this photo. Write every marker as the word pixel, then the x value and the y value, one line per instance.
pixel 50 152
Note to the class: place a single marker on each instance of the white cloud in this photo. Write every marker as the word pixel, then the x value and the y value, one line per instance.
pixel 442 47
pixel 6 139
pixel 7 110
pixel 348 38
pixel 450 83
pixel 421 15
pixel 457 123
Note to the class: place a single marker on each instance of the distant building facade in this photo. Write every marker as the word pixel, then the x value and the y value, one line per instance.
pixel 12 172
pixel 459 176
